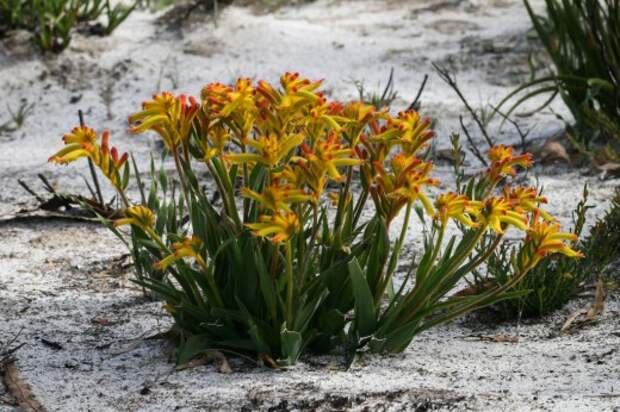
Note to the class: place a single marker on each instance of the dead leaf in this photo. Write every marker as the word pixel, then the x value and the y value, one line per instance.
pixel 496 338
pixel 102 321
pixel 552 152
pixel 589 315
pixel 268 360
pixel 609 167
pixel 480 287
pixel 20 390
pixel 207 357
pixel 599 302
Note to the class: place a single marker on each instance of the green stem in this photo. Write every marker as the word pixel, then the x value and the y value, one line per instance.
pixel 472 265
pixel 343 199
pixel 157 239
pixel 228 207
pixel 428 294
pixel 360 207
pixel 477 303
pixel 395 255
pixel 123 197
pixel 311 243
pixel 442 231
pixel 289 281
pixel 177 162
pixel 211 281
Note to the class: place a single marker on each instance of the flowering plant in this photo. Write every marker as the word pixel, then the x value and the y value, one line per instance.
pixel 281 259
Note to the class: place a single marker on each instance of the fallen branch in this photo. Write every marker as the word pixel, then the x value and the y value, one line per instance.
pixel 34 215
pixel 496 338
pixel 20 390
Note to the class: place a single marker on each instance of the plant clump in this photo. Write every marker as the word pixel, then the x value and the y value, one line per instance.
pixel 52 22
pixel 279 258
pixel 582 37
pixel 557 278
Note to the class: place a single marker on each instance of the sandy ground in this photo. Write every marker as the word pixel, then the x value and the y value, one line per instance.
pixel 65 284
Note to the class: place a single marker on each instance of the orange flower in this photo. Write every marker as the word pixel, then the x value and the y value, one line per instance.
pixel 82 142
pixel 79 135
pixel 527 199
pixel 458 207
pixel 497 213
pixel 327 156
pixel 415 131
pixel 503 162
pixel 402 185
pixel 544 238
pixel 357 116
pixel 139 216
pixel 270 150
pixel 408 130
pixel 171 117
pixel 277 197
pixel 225 101
pixel 188 247
pixel 277 228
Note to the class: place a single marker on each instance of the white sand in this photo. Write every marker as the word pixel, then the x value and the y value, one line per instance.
pixel 56 278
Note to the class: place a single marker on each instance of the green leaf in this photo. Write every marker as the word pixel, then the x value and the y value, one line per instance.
pixel 192 347
pixel 365 313
pixel 292 345
pixel 125 180
pixel 163 179
pixel 266 285
pixel 377 256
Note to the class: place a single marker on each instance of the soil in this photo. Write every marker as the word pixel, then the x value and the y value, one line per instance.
pixel 65 285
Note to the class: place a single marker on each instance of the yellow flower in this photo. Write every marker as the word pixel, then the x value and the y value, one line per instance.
pixel 497 211
pixel 212 137
pixel 288 175
pixel 297 94
pixel 323 114
pixel 82 142
pixel 415 131
pixel 298 90
pixel 79 135
pixel 359 112
pixel 527 199
pixel 277 197
pixel 280 227
pixel 409 130
pixel 360 115
pixel 139 216
pixel 327 156
pixel 503 162
pixel 188 247
pixel 270 150
pixel 77 145
pixel 402 185
pixel 171 117
pixel 544 238
pixel 225 101
pixel 451 205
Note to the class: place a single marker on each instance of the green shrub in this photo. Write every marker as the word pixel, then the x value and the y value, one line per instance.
pixel 557 279
pixel 582 37
pixel 52 21
pixel 272 258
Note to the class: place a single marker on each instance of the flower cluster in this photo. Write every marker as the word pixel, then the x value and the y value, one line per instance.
pixel 305 142
pixel 82 142
pixel 276 155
